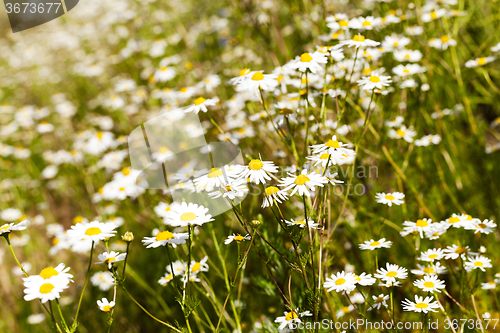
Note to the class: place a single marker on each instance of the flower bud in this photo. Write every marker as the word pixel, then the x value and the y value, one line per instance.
pixel 128 236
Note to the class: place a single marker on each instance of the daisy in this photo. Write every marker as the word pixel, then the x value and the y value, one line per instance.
pixel 303 182
pixel 365 23
pixel 60 272
pixel 407 70
pixel 427 140
pixel 9 227
pixel 91 231
pixel 442 43
pixel 391 273
pixel 291 319
pixel 342 281
pixel 430 283
pixel 477 262
pixel 365 279
pixel 344 311
pixel 329 147
pixel 484 227
pixel 479 62
pixel 408 55
pixel 379 301
pixel 374 81
pixel 272 193
pixel 102 280
pixel 372 244
pixel 200 266
pixel 200 104
pixel 215 177
pixel 188 214
pixel 44 289
pixel 359 41
pixel 454 251
pixel 105 305
pixel 237 238
pixel 431 255
pixel 395 41
pixel 458 221
pixel 390 198
pixel 110 258
pixel 309 61
pixel 252 82
pixel 436 230
pixel 436 268
pixel 165 279
pixel 420 226
pixel 488 285
pixel 420 304
pixel 233 189
pixel 395 122
pixel 163 238
pixel 257 171
pixel 402 133
pixel 301 224
pixel 435 14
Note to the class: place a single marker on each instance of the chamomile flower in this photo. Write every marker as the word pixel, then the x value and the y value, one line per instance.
pixel 454 251
pixel 309 61
pixel 342 281
pixel 215 177
pixel 236 188
pixel 110 258
pixel 436 268
pixel 430 283
pixel 272 193
pixel 290 319
pixel 408 55
pixel 330 147
pixel 488 285
pixel 432 255
pixel 9 227
pixel 166 279
pixel 442 43
pixel 372 244
pixel 92 231
pixel 378 301
pixel 365 279
pixel 390 198
pixel 479 62
pixel 395 122
pixel 394 42
pixel 477 262
pixel 365 23
pixel 484 227
pixel 427 140
pixel 60 272
pixel 435 14
pixel 44 289
pixel 199 266
pixel 458 221
pixel 302 223
pixel 237 238
pixel 421 304
pixel 420 226
pixel 257 80
pixel 359 41
pixel 103 280
pixel 105 305
pixel 200 104
pixel 302 183
pixel 374 81
pixel 407 70
pixel 187 214
pixel 164 238
pixel 391 272
pixel 257 171
pixel 404 133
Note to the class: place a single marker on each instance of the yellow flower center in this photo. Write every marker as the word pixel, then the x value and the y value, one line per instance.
pixel 433 256
pixel 340 281
pixel 359 38
pixel 126 171
pixel 428 270
pixel 478 264
pixel 196 267
pixel 445 39
pixel 109 260
pixel 324 156
pixel 121 189
pixel 460 250
pixel 421 305
pixel 400 132
pixel 434 15
pixel 5 227
pixel 272 190
pixel 214 172
pixel 453 219
pixel 92 231
pixel 258 76
pixel 482 225
pixel 343 23
pixel 239 238
pixel 164 235
pixel 244 71
pixel 255 165
pixel 48 272
pixel 421 223
pixel 163 150
pixel 99 135
pixel 391 274
pixel 406 71
pixel 46 288
pixel 305 57
pixel 301 180
pixel 390 197
pixel 300 222
pixel 374 79
pixel 366 24
pixel 106 308
pixel 379 300
pixel 187 217
pixel 291 315
pixel 199 101
pixel 429 284
pixel 407 56
pixel 377 243
pixel 332 144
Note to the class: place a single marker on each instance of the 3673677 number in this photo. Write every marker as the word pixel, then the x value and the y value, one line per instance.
pixel 31 7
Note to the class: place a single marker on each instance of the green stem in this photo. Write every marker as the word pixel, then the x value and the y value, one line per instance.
pixel 75 321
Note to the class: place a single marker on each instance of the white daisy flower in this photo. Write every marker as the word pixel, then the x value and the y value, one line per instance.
pixel 454 251
pixel 430 283
pixel 477 262
pixel 163 238
pixel 390 198
pixel 427 140
pixel 257 171
pixel 365 279
pixel 60 272
pixel 9 227
pixel 303 182
pixel 302 224
pixel 359 41
pixel 199 266
pixel 436 268
pixel 254 81
pixel 341 281
pixel 484 227
pixel 488 285
pixel 432 255
pixel 105 305
pixel 272 193
pixel 395 122
pixel 479 62
pixel 290 319
pixel 442 43
pixel 102 280
pixel 391 273
pixel 458 221
pixel 408 55
pixel 200 104
pixel 374 81
pixel 421 226
pixel 44 289
pixel 379 301
pixel 110 258
pixel 92 231
pixel 309 61
pixel 435 14
pixel 237 238
pixel 372 244
pixel 233 189
pixel 402 133
pixel 420 304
